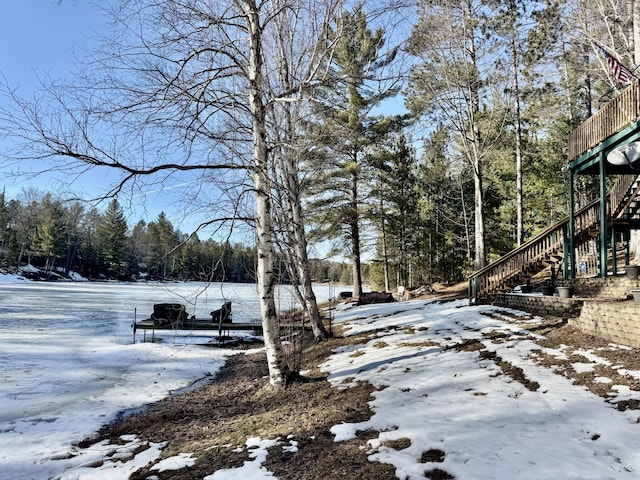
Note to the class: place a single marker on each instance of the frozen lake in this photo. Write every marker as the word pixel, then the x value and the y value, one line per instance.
pixel 68 364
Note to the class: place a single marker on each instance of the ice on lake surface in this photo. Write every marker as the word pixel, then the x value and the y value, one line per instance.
pixel 68 365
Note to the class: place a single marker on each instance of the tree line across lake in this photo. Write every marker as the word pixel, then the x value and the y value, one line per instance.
pixel 59 238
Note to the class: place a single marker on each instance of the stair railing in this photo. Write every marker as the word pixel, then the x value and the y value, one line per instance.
pixel 622 193
pixel 530 256
pixel 549 243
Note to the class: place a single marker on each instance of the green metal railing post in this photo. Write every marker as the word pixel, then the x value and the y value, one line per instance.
pixel 572 230
pixel 603 215
pixel 565 251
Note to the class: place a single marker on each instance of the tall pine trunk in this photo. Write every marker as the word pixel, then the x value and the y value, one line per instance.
pixel 476 147
pixel 518 125
pixel 355 236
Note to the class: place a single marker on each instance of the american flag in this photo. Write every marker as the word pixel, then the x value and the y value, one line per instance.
pixel 621 73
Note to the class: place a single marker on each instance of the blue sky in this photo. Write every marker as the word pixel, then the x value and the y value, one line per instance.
pixel 40 35
pixel 40 38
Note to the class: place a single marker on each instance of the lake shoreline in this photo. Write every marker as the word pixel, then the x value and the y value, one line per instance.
pixel 68 364
pixel 215 421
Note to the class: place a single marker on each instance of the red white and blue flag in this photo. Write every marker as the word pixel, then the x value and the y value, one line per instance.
pixel 621 73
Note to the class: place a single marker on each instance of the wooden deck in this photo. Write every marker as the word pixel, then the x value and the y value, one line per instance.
pixel 613 117
pixel 616 123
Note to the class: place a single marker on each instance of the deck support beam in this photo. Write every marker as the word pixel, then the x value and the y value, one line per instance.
pixel 603 214
pixel 570 259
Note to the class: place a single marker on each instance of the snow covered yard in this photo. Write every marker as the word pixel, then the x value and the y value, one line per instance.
pixel 461 393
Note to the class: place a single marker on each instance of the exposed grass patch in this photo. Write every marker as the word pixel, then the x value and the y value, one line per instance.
pixel 511 370
pixel 398 444
pixel 425 343
pixel 472 345
pixel 214 422
pixel 567 339
pixel 433 455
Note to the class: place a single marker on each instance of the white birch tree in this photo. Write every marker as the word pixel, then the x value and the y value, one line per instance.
pixel 293 62
pixel 180 90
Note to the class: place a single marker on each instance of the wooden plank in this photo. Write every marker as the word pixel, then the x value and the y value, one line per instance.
pixel 199 325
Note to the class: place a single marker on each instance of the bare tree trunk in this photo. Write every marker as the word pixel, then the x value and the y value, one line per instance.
pixel 475 151
pixel 355 237
pixel 456 27
pixel 476 161
pixel 264 225
pixel 297 241
pixel 466 224
pixel 319 332
pixel 288 154
pixel 479 218
pixel 385 254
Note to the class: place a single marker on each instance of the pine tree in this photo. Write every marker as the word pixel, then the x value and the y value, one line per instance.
pixel 112 235
pixel 397 215
pixel 451 83
pixel 74 223
pixel 346 129
pixel 51 233
pixel 162 242
pixel 445 209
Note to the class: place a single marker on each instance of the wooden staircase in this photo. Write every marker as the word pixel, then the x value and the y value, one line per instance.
pixel 550 247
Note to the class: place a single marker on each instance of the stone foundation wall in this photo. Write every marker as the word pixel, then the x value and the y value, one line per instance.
pixel 613 287
pixel 540 304
pixel 618 322
pixel 600 307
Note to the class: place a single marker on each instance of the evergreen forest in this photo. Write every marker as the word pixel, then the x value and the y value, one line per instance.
pixel 64 238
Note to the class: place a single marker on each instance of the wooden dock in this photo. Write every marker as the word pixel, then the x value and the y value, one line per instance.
pixel 195 324
pixel 173 317
pixel 198 324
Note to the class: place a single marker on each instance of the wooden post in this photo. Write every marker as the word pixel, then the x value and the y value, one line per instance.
pixel 626 236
